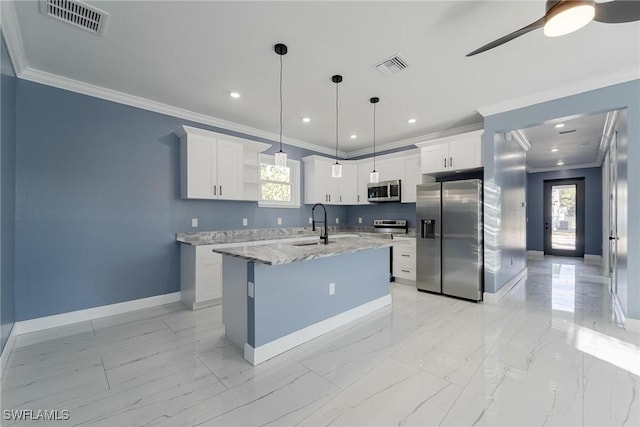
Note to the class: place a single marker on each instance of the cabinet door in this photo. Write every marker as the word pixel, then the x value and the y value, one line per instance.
pixel 465 154
pixel 319 185
pixel 348 184
pixel 197 167
pixel 208 284
pixel 390 169
pixel 411 178
pixel 433 158
pixel 364 168
pixel 229 170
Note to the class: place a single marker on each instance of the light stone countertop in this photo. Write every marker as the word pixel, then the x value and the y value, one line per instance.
pixel 288 251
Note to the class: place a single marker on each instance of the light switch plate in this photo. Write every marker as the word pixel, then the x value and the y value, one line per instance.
pixel 245 222
pixel 337 220
pixel 310 220
pixel 332 288
pixel 250 290
pixel 359 220
pixel 194 222
pixel 279 221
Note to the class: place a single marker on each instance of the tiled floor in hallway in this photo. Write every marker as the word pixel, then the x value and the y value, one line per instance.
pixel 548 354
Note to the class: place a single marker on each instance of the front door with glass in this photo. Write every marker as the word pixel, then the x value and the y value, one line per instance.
pixel 564 217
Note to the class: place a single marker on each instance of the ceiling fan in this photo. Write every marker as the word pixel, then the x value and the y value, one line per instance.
pixel 565 16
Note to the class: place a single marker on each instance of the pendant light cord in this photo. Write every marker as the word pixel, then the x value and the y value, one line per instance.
pixel 337 123
pixel 280 103
pixel 374 137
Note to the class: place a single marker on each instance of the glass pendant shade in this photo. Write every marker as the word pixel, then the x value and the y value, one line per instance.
pixel 281 159
pixel 568 17
pixel 336 170
pixel 374 177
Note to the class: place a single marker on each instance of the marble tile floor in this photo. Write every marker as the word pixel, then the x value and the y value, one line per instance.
pixel 548 354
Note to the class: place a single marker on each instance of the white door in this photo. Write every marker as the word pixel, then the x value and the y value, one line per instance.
pixel 464 154
pixel 613 214
pixel 229 170
pixel 200 177
pixel 433 158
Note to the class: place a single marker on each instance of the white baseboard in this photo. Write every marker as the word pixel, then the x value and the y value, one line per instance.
pixel 63 319
pixel 593 259
pixel 8 348
pixel 493 298
pixel 267 351
pixel 594 278
pixel 535 254
pixel 204 304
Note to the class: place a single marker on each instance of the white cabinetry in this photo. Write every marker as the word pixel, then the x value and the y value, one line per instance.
pixel 404 259
pixel 364 169
pixel 321 187
pixel 216 166
pixel 200 276
pixel 411 177
pixel 452 153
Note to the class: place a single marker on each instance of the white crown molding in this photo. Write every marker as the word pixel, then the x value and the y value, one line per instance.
pixel 521 139
pixel 417 139
pixel 607 134
pixel 60 82
pixel 561 92
pixel 11 30
pixel 564 167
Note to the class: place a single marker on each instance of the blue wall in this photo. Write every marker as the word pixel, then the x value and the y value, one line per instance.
pixel 382 211
pixel 592 206
pixel 8 188
pixel 98 202
pixel 596 101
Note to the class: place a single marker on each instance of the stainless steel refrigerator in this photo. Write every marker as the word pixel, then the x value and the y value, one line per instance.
pixel 450 238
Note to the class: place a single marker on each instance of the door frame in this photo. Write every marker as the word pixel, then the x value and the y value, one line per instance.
pixel 580 217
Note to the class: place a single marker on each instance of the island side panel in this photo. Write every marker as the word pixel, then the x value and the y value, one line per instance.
pixel 290 297
pixel 234 299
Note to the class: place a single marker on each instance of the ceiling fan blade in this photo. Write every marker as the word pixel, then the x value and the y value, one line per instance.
pixel 524 30
pixel 617 12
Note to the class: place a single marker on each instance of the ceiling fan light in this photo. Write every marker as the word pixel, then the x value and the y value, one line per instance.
pixel 568 17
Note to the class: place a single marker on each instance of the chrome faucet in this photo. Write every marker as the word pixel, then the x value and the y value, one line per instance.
pixel 325 237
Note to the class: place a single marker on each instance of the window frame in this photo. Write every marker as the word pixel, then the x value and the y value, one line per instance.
pixel 295 182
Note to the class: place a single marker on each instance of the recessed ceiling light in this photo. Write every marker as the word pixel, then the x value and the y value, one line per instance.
pixel 554 150
pixel 559 125
pixel 411 121
pixel 234 95
pixel 560 163
pixel 306 119
pixel 353 136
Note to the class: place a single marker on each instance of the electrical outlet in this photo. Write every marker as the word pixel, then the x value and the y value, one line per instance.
pixel 194 222
pixel 310 220
pixel 279 221
pixel 250 289
pixel 337 220
pixel 332 288
pixel 245 222
pixel 360 220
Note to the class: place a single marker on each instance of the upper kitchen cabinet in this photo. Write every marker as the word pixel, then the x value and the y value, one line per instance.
pixel 364 169
pixel 411 177
pixel 321 187
pixel 453 153
pixel 217 166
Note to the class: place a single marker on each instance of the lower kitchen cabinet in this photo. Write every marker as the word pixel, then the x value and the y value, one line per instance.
pixel 200 276
pixel 404 259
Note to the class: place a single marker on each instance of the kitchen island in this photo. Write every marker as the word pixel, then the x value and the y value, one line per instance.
pixel 279 295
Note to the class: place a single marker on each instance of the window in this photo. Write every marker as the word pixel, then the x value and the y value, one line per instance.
pixel 279 187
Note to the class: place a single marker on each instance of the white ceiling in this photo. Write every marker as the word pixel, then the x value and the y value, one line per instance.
pixel 190 55
pixel 579 148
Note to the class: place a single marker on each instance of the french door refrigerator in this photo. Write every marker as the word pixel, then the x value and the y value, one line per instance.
pixel 450 238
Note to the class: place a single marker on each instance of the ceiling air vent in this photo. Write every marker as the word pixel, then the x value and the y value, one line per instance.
pixel 392 65
pixel 75 13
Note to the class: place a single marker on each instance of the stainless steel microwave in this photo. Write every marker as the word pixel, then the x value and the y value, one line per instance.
pixel 385 191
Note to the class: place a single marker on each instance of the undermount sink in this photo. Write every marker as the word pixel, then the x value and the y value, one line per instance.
pixel 314 243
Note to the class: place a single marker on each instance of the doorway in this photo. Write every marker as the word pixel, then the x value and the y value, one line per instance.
pixel 564 217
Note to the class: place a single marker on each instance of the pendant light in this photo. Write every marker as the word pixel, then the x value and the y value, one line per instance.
pixel 281 156
pixel 336 169
pixel 374 176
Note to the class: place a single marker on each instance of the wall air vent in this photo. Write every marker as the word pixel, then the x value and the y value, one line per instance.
pixel 75 13
pixel 392 65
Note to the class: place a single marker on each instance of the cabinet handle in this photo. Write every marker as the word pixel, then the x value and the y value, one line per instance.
pixel 221 190
pixel 358 198
pixel 445 162
pixel 450 162
pixel 404 255
pixel 406 271
pixel 215 190
pixel 341 198
pixel 329 197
